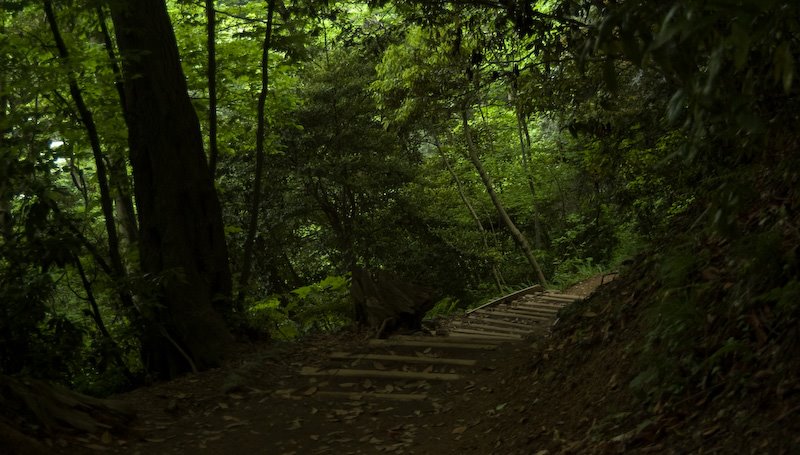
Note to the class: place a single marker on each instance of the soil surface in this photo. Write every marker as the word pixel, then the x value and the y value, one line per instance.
pixel 560 392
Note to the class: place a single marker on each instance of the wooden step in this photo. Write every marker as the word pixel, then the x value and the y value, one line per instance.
pixel 360 396
pixel 543 301
pixel 537 307
pixel 402 358
pixel 498 321
pixel 487 346
pixel 510 314
pixel 532 314
pixel 552 301
pixel 565 296
pixel 505 337
pixel 493 328
pixel 435 339
pixel 394 374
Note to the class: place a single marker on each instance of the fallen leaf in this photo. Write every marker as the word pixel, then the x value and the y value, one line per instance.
pixel 295 425
pixel 459 430
pixel 310 391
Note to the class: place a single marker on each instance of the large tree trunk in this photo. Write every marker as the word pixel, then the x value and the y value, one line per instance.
pixel 181 242
pixel 518 236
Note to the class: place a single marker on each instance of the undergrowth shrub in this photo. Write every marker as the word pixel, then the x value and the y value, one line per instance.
pixel 444 307
pixel 319 307
pixel 573 270
pixel 723 318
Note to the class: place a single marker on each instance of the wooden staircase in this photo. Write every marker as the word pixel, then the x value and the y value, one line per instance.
pixel 407 368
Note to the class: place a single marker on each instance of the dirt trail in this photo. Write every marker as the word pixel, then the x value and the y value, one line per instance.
pixel 261 404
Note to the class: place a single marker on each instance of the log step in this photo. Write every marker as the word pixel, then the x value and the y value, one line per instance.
pixel 395 374
pixel 488 346
pixel 541 307
pixel 505 337
pixel 402 358
pixel 435 339
pixel 507 314
pixel 536 315
pixel 492 328
pixel 359 396
pixel 497 321
pixel 564 296
pixel 544 301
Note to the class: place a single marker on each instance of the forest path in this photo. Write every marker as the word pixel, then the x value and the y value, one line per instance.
pixel 403 368
pixel 405 394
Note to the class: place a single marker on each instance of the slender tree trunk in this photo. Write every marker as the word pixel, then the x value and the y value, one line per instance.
pixel 120 181
pixel 525 150
pixel 6 219
pixel 94 310
pixel 211 44
pixel 255 206
pixel 181 238
pixel 475 217
pixel 117 268
pixel 518 236
pixel 94 140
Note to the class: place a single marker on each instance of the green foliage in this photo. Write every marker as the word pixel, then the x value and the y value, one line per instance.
pixel 574 270
pixel 605 129
pixel 443 308
pixel 319 307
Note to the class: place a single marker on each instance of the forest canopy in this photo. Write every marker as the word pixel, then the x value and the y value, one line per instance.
pixel 175 175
